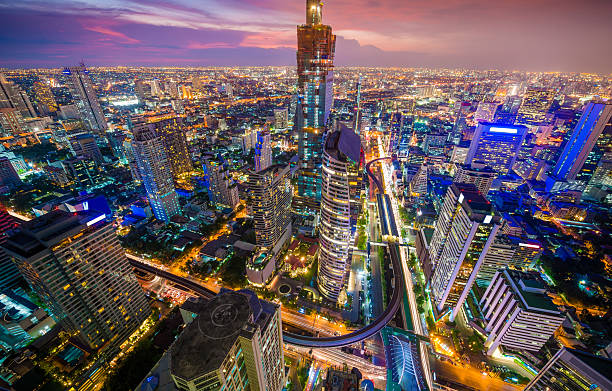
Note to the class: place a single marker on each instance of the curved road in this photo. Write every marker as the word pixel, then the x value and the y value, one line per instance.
pixel 316 342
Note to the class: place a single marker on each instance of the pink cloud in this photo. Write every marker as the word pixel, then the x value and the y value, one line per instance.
pixel 270 40
pixel 209 45
pixel 112 33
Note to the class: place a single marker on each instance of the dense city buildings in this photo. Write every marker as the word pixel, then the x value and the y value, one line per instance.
pixel 82 89
pixel 171 130
pixel 339 209
pixel 315 64
pixel 154 170
pixel 535 105
pixel 13 97
pixel 75 264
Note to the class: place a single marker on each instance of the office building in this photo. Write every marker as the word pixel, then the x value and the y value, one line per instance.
pixel 248 140
pixel 156 89
pixel 154 171
pixel 8 175
pixel 171 130
pixel 9 274
pixel 270 194
pixel 518 314
pixel 574 370
pixel 418 183
pixel 340 192
pixel 263 150
pixel 13 97
pixel 141 90
pixel 485 112
pixel 242 339
pixel 595 117
pixel 480 176
pixel 83 173
pixel 464 232
pixel 602 176
pixel 85 145
pixel 281 118
pixel 45 101
pixel 496 145
pixel 223 190
pixel 82 90
pixel 315 63
pixel 11 122
pixel 77 267
pixel 535 105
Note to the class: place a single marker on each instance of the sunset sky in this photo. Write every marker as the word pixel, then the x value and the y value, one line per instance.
pixel 539 35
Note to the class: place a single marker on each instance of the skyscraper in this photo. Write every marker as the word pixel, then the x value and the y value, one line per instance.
pixel 465 230
pixel 171 130
pixel 315 63
pixel 263 150
pixel 481 177
pixel 341 185
pixel 9 274
pixel 8 175
pixel 595 117
pixel 76 266
pixel 82 90
pixel 269 202
pixel 485 112
pixel 11 122
pixel 575 370
pixel 11 96
pixel 496 145
pixel 222 188
pixel 535 105
pixel 154 170
pixel 85 145
pixel 141 90
pixel 234 343
pixel 518 313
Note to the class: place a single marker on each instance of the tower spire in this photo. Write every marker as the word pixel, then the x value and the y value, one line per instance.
pixel 314 12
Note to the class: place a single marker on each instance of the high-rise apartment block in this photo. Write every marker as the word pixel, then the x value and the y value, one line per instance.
pixel 595 117
pixel 518 313
pixel 270 194
pixel 154 170
pixel 171 130
pixel 85 145
pixel 222 188
pixel 574 370
pixel 465 230
pixel 82 90
pixel 234 343
pixel 281 118
pixel 77 267
pixel 315 63
pixel 496 145
pixel 341 186
pixel 535 105
pixel 263 150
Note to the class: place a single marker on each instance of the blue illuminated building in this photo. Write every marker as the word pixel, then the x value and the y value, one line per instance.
pixel 594 119
pixel 496 145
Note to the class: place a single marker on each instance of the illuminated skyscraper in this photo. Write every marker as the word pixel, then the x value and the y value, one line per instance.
pixel 496 145
pixel 315 63
pixel 465 230
pixel 155 173
pixel 77 267
pixel 263 150
pixel 341 185
pixel 535 106
pixel 172 133
pixel 595 117
pixel 82 90
pixel 222 189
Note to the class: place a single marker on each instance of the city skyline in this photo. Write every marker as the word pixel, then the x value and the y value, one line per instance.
pixel 458 34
